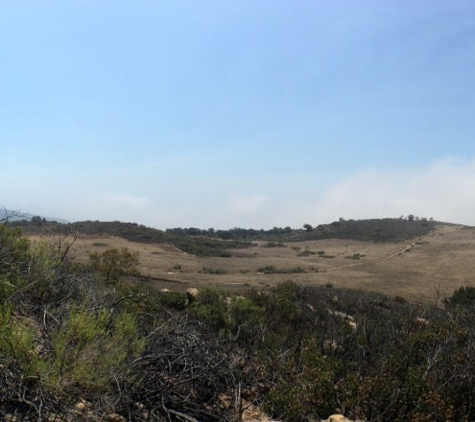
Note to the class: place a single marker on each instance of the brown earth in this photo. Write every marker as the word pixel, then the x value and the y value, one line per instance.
pixel 428 268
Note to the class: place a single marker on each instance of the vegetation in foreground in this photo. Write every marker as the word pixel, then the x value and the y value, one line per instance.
pixel 81 343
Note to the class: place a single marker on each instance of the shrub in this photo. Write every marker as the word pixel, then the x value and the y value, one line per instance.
pixel 211 308
pixel 100 244
pixel 172 300
pixel 16 337
pixel 463 296
pixel 246 320
pixel 115 263
pixel 268 269
pixel 14 259
pixel 355 256
pixel 274 245
pixel 306 252
pixel 90 350
pixel 304 391
pixel 216 271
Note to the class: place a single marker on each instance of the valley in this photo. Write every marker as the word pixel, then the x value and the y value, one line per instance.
pixel 425 268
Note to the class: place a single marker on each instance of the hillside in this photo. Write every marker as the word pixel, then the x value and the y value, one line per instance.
pixel 372 230
pixel 203 246
pixel 428 267
pixel 90 340
pixel 216 242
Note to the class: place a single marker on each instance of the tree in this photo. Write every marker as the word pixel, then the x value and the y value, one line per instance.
pixel 37 220
pixel 308 227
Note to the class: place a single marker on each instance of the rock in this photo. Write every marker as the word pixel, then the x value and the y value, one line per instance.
pixel 81 405
pixel 192 292
pixel 337 418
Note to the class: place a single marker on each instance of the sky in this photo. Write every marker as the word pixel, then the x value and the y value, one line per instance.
pixel 249 113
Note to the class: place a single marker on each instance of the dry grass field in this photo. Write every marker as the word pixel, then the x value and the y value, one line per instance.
pixel 427 268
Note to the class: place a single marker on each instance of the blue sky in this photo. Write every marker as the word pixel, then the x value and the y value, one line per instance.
pixel 238 113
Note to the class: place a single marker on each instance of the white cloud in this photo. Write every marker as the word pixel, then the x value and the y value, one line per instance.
pixel 444 190
pixel 247 204
pixel 98 205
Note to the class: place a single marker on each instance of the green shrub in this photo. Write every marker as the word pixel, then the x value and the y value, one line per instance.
pixel 16 337
pixel 307 390
pixel 100 244
pixel 355 256
pixel 172 300
pixel 90 350
pixel 216 271
pixel 211 308
pixel 274 245
pixel 14 260
pixel 115 263
pixel 268 269
pixel 246 319
pixel 463 296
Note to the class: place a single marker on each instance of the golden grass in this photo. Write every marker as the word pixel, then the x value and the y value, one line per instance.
pixel 425 269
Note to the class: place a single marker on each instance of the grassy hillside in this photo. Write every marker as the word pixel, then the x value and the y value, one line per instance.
pixel 215 242
pixel 203 246
pixel 78 342
pixel 426 267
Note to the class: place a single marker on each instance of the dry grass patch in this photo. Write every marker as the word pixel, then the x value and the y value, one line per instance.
pixel 427 268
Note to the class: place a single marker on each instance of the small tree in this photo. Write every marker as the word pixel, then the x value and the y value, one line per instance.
pixel 37 220
pixel 308 227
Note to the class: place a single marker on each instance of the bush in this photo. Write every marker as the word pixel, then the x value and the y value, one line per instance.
pixel 14 259
pixel 90 350
pixel 115 263
pixel 172 300
pixel 274 245
pixel 16 337
pixel 211 308
pixel 463 296
pixel 270 269
pixel 215 271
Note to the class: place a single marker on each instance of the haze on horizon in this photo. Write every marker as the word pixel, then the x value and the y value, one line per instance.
pixel 238 114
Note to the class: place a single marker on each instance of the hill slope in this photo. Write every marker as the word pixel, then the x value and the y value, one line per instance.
pixel 80 344
pixel 427 267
